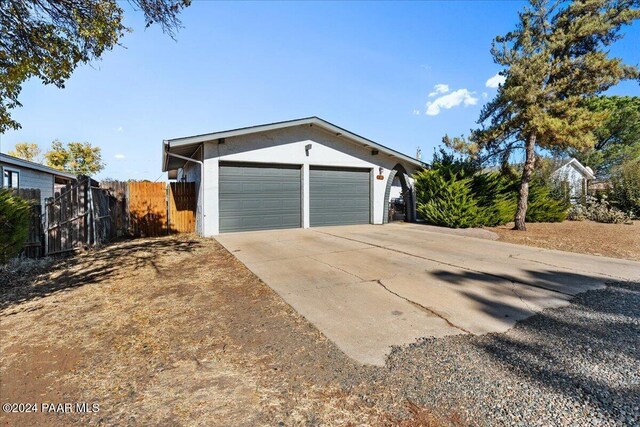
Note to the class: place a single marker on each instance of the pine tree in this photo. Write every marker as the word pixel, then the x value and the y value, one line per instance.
pixel 554 60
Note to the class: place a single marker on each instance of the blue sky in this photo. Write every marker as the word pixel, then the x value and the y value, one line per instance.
pixel 367 67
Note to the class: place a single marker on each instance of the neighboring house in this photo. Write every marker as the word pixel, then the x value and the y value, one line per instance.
pixel 299 173
pixel 576 176
pixel 19 173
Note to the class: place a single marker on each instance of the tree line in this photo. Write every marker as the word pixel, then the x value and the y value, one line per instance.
pixel 78 158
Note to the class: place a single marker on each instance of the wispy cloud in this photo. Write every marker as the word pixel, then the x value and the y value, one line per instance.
pixel 453 99
pixel 119 129
pixel 495 81
pixel 416 112
pixel 438 89
pixel 119 156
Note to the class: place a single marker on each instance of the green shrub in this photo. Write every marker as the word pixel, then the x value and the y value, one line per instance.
pixel 446 200
pixel 543 206
pixel 625 188
pixel 496 197
pixel 452 197
pixel 14 224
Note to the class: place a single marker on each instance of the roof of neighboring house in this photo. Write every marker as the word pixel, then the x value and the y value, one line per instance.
pixel 186 146
pixel 584 170
pixel 5 158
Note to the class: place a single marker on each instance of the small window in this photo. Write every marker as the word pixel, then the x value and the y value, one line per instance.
pixel 11 179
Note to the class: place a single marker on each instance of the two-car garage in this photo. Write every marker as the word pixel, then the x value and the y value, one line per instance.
pixel 296 174
pixel 257 196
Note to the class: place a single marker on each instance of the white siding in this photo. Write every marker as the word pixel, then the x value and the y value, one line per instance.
pixel 287 146
pixel 33 179
pixel 568 173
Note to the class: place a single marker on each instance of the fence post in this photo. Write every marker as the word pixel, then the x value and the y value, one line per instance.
pixel 46 227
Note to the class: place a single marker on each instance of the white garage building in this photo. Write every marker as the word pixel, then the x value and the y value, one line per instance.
pixel 299 173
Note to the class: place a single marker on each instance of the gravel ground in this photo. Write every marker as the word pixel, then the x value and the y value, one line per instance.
pixel 576 365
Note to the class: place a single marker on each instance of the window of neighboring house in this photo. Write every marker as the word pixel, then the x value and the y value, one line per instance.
pixel 11 179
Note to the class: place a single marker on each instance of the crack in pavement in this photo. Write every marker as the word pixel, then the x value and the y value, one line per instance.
pixel 513 289
pixel 450 264
pixel 379 281
pixel 338 268
pixel 422 307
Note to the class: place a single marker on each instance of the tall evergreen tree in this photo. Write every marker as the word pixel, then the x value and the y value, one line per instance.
pixel 554 60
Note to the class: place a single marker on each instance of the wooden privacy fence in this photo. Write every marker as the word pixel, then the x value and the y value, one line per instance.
pixel 33 247
pixel 78 215
pixel 155 209
pixel 148 208
pixel 86 213
pixel 182 207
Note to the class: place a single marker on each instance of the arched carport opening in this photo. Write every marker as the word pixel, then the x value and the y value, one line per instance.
pixel 407 194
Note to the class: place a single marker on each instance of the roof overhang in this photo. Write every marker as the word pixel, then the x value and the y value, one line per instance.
pixel 170 163
pixel 5 158
pixel 581 168
pixel 186 146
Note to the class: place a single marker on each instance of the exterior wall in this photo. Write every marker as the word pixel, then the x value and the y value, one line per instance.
pixel 30 178
pixel 573 177
pixel 288 146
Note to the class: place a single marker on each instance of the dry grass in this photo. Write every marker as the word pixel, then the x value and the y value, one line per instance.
pixel 588 237
pixel 169 331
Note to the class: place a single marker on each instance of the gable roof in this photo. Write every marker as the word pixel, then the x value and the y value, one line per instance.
pixel 15 161
pixel 584 170
pixel 186 146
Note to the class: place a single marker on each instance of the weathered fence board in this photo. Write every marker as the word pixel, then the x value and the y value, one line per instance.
pixel 83 214
pixel 148 208
pixel 119 205
pixel 182 207
pixel 69 218
pixel 33 247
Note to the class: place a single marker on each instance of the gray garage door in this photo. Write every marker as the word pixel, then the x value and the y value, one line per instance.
pixel 259 197
pixel 338 196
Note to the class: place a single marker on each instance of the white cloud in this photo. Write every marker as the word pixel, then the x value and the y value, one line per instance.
pixel 119 129
pixel 453 99
pixel 416 112
pixel 495 81
pixel 119 156
pixel 438 89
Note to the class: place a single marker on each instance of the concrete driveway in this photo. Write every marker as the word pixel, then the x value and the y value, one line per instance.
pixel 369 287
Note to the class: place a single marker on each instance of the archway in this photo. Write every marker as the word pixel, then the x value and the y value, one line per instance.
pixel 407 194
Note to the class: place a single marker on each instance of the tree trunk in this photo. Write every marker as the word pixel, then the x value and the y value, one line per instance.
pixel 523 194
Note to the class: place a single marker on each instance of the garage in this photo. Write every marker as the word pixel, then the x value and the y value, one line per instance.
pixel 339 196
pixel 259 197
pixel 298 173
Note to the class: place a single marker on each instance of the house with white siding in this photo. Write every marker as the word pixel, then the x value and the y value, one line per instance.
pixel 20 173
pixel 295 174
pixel 576 176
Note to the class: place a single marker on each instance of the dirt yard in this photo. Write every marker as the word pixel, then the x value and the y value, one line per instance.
pixel 176 331
pixel 594 238
pixel 167 331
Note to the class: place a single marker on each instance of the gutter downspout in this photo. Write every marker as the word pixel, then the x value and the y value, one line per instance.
pixel 201 189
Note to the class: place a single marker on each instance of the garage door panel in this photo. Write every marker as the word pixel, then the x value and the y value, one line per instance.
pixel 339 196
pixel 259 197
